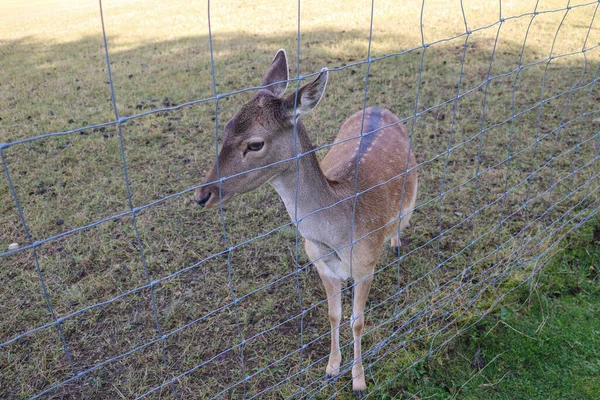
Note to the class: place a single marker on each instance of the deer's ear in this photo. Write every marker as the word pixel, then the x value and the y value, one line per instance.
pixel 309 95
pixel 277 72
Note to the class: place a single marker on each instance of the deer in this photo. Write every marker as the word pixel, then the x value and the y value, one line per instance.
pixel 346 206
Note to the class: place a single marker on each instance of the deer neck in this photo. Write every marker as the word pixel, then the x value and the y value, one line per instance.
pixel 303 187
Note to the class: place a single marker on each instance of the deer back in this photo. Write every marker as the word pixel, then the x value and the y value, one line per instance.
pixel 383 155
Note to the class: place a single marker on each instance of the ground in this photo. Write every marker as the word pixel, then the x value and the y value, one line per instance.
pixel 515 157
pixel 543 343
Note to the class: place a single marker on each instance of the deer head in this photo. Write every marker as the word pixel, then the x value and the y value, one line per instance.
pixel 258 142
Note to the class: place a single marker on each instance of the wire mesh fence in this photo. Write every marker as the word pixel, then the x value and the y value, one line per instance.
pixel 122 288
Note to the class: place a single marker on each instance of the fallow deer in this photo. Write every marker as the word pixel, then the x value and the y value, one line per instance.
pixel 344 218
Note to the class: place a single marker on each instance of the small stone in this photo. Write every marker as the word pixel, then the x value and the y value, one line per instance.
pixel 13 246
pixel 596 121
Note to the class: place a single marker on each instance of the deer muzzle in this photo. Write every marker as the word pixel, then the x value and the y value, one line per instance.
pixel 202 199
pixel 206 196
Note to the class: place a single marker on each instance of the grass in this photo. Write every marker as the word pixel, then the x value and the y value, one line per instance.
pixel 542 344
pixel 53 79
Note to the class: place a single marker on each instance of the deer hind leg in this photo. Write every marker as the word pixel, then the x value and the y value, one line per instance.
pixel 333 287
pixel 404 217
pixel 395 240
pixel 361 293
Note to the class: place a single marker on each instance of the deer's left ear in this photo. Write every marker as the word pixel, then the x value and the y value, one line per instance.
pixel 277 72
pixel 309 95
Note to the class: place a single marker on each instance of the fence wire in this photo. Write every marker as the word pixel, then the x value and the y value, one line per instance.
pixel 424 312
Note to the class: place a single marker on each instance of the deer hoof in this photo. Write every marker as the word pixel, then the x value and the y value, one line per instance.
pixel 360 393
pixel 331 379
pixel 396 250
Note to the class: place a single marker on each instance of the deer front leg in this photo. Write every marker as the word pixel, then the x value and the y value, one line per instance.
pixel 333 288
pixel 361 292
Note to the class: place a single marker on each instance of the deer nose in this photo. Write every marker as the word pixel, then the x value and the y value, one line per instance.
pixel 203 199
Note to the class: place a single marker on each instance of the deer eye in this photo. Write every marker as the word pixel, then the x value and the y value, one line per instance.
pixel 255 146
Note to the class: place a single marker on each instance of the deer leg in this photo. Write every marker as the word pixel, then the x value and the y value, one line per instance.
pixel 395 245
pixel 404 217
pixel 404 222
pixel 361 292
pixel 333 288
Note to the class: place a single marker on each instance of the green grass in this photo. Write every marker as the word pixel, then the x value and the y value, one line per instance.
pixel 53 79
pixel 543 343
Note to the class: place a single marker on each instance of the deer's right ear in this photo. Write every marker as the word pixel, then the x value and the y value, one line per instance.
pixel 277 72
